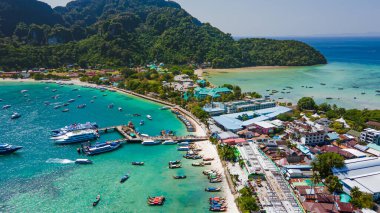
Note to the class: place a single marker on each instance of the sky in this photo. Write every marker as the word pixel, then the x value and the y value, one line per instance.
pixel 273 18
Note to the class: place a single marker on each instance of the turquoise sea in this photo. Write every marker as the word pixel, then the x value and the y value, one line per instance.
pixel 41 177
pixel 353 68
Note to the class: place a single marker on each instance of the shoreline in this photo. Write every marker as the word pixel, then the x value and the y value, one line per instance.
pixel 208 149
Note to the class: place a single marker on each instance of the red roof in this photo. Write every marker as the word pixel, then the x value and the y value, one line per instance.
pixel 344 207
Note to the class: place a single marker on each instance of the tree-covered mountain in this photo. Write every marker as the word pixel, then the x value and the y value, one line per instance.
pixel 129 33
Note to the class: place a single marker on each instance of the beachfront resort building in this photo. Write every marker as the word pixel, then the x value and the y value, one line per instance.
pixel 306 132
pixel 363 173
pixel 218 108
pixel 201 93
pixel 237 121
pixel 370 136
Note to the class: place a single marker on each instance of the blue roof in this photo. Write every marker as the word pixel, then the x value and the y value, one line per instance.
pixel 231 121
pixel 333 136
pixel 228 123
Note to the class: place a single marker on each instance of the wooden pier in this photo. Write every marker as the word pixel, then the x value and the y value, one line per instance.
pixel 126 132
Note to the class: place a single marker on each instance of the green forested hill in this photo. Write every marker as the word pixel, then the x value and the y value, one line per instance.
pixel 129 33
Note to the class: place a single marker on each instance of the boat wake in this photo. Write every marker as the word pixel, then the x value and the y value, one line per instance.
pixel 60 161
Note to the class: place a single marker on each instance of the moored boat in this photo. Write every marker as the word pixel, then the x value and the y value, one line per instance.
pixel 174 162
pixel 169 142
pixel 83 161
pixel 212 189
pixel 71 100
pixel 149 117
pixel 110 106
pixel 6 106
pixel 164 108
pixel 137 163
pixel 76 126
pixel 96 202
pixel 15 115
pixel 183 148
pixel 124 178
pixel 142 122
pixel 180 177
pixel 8 149
pixel 65 110
pixel 198 164
pixel 175 166
pixel 81 106
pixel 151 142
pixel 76 136
pixel 101 148
pixel 208 159
pixel 120 109
pixel 156 201
pixel 183 144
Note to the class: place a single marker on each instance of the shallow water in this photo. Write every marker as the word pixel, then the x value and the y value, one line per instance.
pixel 42 178
pixel 353 62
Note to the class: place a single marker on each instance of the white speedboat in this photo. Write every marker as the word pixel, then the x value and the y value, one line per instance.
pixel 120 109
pixel 15 115
pixel 83 161
pixel 149 117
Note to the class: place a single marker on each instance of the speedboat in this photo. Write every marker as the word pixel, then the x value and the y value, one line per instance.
pixel 79 96
pixel 6 106
pixel 24 91
pixel 120 109
pixel 83 161
pixel 137 163
pixel 101 148
pixel 74 89
pixel 81 106
pixel 142 122
pixel 151 142
pixel 1 100
pixel 15 115
pixel 74 127
pixel 144 135
pixel 179 177
pixel 66 104
pixel 92 101
pixel 149 117
pixel 8 149
pixel 57 107
pixel 94 97
pixel 46 103
pixel 95 203
pixel 76 136
pixel 164 108
pixel 169 142
pixel 124 178
pixel 110 106
pixel 71 100
pixel 54 90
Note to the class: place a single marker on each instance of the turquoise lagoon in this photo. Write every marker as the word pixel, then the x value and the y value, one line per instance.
pixel 353 69
pixel 42 177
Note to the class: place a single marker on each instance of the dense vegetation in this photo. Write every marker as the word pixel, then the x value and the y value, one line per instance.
pixel 246 202
pixel 323 163
pixel 355 118
pixel 129 33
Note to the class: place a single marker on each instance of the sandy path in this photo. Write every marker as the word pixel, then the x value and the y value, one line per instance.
pixel 209 151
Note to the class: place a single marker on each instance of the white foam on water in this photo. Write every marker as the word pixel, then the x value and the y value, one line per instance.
pixel 60 161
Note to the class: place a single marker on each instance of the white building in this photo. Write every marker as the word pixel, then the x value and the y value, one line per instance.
pixel 363 173
pixel 370 136
pixel 306 132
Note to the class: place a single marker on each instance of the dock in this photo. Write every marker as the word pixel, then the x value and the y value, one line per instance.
pixel 131 136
